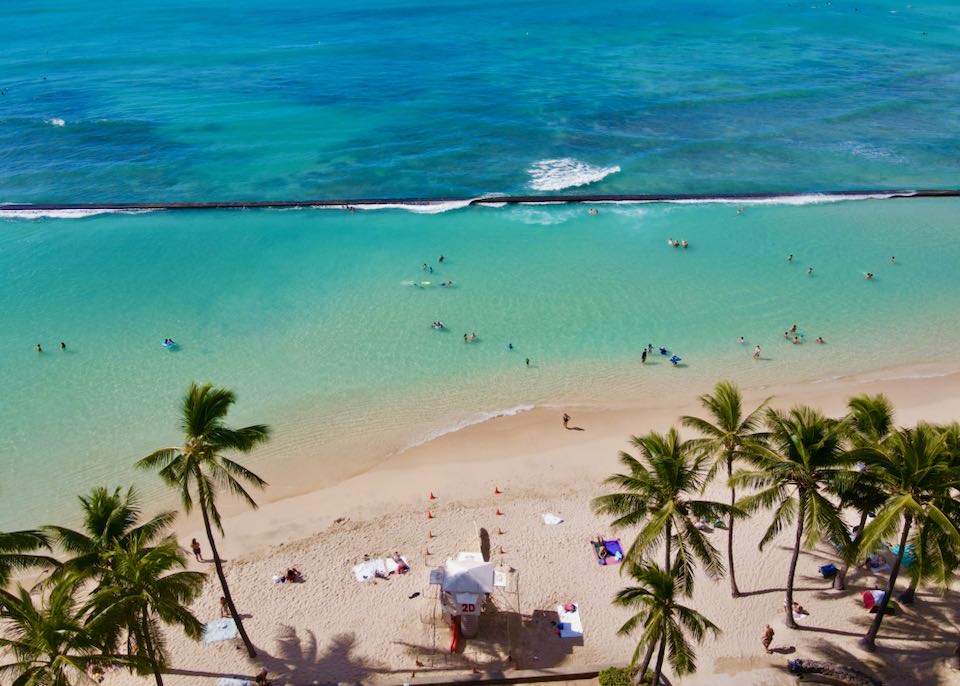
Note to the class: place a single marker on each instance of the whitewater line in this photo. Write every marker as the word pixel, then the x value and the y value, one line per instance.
pixel 496 200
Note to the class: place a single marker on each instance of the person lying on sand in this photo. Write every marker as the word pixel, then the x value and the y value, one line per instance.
pixel 402 567
pixel 293 575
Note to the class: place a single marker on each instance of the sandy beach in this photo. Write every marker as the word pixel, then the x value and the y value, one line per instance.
pixel 333 629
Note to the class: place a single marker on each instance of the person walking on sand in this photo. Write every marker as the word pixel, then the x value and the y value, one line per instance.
pixel 767 638
pixel 566 420
pixel 195 547
pixel 756 353
pixel 224 608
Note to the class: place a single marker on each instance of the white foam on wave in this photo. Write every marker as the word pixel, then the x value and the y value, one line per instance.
pixel 417 207
pixel 479 418
pixel 566 172
pixel 63 214
pixel 56 121
pixel 798 199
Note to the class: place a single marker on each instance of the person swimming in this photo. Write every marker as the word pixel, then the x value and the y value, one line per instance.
pixel 820 339
pixel 790 257
pixel 38 348
pixel 756 353
pixel 438 325
pixel 473 336
pixel 643 356
pixel 464 338
pixel 809 271
pixel 663 351
pixel 868 276
pixel 593 211
pixel 63 346
pixel 684 243
pixel 742 341
pixel 796 340
pixel 440 259
pixel 893 260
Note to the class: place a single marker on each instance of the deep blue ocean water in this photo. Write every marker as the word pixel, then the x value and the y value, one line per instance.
pixel 372 98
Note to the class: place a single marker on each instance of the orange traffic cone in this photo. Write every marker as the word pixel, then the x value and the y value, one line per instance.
pixel 432 496
pixel 426 551
pixel 500 532
pixel 502 551
pixel 497 491
pixel 499 513
pixel 429 534
pixel 429 514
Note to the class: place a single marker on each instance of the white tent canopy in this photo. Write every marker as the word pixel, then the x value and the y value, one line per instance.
pixel 468 576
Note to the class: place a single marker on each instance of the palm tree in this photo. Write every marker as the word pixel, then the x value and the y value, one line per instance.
pixel 915 469
pixel 109 520
pixel 17 552
pixel 803 461
pixel 197 468
pixel 656 496
pixel 49 644
pixel 145 589
pixel 726 435
pixel 869 423
pixel 663 620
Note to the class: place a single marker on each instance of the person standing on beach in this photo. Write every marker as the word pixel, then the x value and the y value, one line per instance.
pixel 566 420
pixel 528 361
pixel 756 353
pixel 195 547
pixel 767 638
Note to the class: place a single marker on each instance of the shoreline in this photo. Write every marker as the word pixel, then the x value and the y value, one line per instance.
pixel 611 424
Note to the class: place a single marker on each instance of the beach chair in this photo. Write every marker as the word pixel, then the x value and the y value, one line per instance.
pixel 828 571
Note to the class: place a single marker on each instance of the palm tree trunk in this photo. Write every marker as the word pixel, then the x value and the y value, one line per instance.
pixel 659 669
pixel 148 648
pixel 223 583
pixel 907 596
pixel 840 580
pixel 734 591
pixel 666 546
pixel 868 642
pixel 646 662
pixel 801 511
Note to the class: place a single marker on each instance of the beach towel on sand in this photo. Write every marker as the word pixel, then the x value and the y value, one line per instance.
pixel 569 625
pixel 369 569
pixel 219 630
pixel 612 549
pixel 552 519
pixel 227 681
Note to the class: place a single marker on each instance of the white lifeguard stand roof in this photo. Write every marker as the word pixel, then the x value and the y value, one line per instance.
pixel 468 573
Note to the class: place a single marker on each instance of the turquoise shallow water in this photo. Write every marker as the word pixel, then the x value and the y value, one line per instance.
pixel 307 316
pixel 305 313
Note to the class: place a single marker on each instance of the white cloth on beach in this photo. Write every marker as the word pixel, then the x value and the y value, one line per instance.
pixel 570 625
pixel 369 569
pixel 219 630
pixel 227 681
pixel 552 519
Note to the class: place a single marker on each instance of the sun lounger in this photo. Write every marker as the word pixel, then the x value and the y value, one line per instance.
pixel 569 625
pixel 909 556
pixel 219 630
pixel 612 552
pixel 828 570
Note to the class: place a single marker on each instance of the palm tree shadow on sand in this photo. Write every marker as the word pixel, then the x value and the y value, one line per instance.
pixel 302 660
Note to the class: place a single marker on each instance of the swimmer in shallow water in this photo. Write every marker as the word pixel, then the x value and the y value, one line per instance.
pixel 685 244
pixel 809 271
pixel 793 329
pixel 473 336
pixel 868 276
pixel 893 260
pixel 63 346
pixel 593 211
pixel 756 353
pixel 38 348
pixel 820 339
pixel 796 340
pixel 790 257
pixel 742 341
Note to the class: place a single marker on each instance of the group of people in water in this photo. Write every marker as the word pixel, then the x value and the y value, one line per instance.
pixel 677 244
pixel 39 348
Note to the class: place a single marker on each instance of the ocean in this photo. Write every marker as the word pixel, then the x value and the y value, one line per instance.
pixel 320 318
